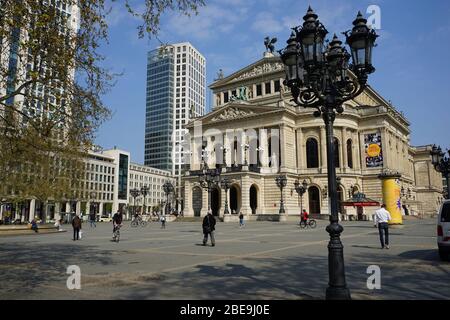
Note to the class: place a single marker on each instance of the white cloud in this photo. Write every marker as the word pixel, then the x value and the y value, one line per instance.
pixel 211 21
pixel 266 23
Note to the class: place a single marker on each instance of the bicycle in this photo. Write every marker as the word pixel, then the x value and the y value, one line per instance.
pixel 138 221
pixel 309 223
pixel 116 233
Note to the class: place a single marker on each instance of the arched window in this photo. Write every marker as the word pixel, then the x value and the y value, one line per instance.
pixel 349 154
pixel 312 153
pixel 314 200
pixel 336 152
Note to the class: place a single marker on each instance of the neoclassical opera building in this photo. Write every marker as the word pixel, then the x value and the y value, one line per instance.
pixel 259 134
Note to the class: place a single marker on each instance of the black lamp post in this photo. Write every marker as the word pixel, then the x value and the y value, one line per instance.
pixel 320 78
pixel 134 193
pixel 168 188
pixel 209 179
pixel 281 181
pixel 301 189
pixel 144 192
pixel 225 184
pixel 442 164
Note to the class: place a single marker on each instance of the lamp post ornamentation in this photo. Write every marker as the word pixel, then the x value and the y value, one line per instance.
pixel 209 179
pixel 301 189
pixel 225 184
pixel 281 181
pixel 442 164
pixel 319 77
pixel 168 189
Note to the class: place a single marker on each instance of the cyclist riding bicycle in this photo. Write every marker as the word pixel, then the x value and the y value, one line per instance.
pixel 304 216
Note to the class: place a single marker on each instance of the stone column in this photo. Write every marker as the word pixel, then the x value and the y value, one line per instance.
pixel 344 149
pixel 300 150
pixel 78 208
pixel 264 144
pixel 226 144
pixel 282 163
pixel 323 149
pixel 245 196
pixel 100 208
pixel 244 153
pixel 32 209
pixel 188 201
pixel 57 211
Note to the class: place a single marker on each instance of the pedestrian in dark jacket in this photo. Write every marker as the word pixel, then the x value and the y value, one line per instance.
pixel 209 225
pixel 76 224
pixel 241 220
pixel 92 218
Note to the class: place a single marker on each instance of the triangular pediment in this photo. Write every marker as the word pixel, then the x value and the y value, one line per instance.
pixel 267 65
pixel 235 110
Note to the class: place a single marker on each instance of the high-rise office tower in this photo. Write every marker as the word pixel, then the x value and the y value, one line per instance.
pixel 16 58
pixel 176 92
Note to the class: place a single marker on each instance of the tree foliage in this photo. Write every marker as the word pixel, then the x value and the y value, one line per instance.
pixel 51 84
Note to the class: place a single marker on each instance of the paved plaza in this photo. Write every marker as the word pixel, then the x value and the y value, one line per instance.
pixel 264 260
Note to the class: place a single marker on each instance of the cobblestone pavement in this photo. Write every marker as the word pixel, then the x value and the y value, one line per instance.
pixel 264 260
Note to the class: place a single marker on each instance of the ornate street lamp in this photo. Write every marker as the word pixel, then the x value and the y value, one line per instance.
pixel 134 193
pixel 320 78
pixel 281 181
pixel 168 188
pixel 225 150
pixel 225 184
pixel 246 146
pixel 442 164
pixel 301 189
pixel 144 192
pixel 209 179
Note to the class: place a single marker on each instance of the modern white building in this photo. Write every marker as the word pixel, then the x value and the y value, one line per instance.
pixel 142 176
pixel 105 189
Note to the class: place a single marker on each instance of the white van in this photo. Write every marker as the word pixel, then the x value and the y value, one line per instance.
pixel 443 231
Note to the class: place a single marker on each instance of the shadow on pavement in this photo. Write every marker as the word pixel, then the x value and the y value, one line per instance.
pixel 32 264
pixel 301 278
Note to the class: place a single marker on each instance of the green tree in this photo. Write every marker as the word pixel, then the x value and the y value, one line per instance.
pixel 51 84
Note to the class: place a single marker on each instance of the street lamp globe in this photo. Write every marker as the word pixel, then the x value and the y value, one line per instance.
pixel 361 41
pixel 311 38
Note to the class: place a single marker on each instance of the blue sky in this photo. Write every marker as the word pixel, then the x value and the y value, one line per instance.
pixel 412 56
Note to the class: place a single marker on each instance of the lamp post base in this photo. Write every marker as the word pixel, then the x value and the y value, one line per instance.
pixel 282 218
pixel 334 293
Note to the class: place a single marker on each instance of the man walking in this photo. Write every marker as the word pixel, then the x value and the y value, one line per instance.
pixel 209 225
pixel 382 217
pixel 76 224
pixel 163 221
pixel 92 217
pixel 241 220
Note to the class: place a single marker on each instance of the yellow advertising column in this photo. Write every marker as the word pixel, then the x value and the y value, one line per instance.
pixel 392 196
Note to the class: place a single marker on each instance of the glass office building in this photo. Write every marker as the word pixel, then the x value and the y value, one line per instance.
pixel 176 92
pixel 159 110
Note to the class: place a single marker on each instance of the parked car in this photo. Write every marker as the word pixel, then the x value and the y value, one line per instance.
pixel 105 219
pixel 443 231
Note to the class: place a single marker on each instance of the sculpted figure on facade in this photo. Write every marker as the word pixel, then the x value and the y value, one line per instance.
pixel 232 113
